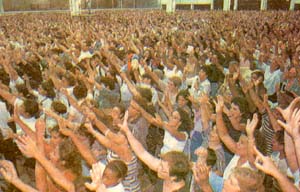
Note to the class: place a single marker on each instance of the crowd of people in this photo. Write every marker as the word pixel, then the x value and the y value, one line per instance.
pixel 190 101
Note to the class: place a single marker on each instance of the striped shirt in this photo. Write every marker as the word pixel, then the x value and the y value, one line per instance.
pixel 130 182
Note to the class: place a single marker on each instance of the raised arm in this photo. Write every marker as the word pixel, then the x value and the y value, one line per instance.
pixel 250 128
pixel 40 173
pixel 266 165
pixel 29 148
pixel 154 121
pixel 292 127
pixel 221 128
pixel 24 127
pixel 5 94
pixel 152 162
pixel 9 173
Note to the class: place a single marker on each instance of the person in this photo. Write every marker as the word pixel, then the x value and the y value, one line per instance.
pixel 242 179
pixel 172 168
pixel 107 178
pixel 9 173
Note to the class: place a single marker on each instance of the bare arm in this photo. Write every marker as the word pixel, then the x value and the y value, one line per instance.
pixel 152 162
pixel 221 128
pixel 29 148
pixel 40 173
pixel 9 172
pixel 266 165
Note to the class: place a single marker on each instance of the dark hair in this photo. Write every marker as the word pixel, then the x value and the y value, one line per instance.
pixel 69 154
pixel 49 88
pixel 118 167
pixel 147 106
pixel 206 69
pixel 107 81
pixel 211 157
pixel 21 88
pixel 186 122
pixel 70 79
pixel 145 93
pixel 59 107
pixel 243 106
pixel 31 107
pixel 80 91
pixel 185 94
pixel 179 165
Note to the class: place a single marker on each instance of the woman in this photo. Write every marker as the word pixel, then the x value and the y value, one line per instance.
pixel 172 168
pixel 177 129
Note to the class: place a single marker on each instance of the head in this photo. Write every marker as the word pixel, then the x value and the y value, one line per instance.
pixel 80 91
pixel 174 83
pixel 30 108
pixel 55 136
pixel 233 65
pixel 68 80
pixel 114 172
pixel 204 72
pixel 118 111
pixel 186 123
pixel 47 89
pixel 108 82
pixel 174 164
pixel 239 108
pixel 146 78
pixel 70 157
pixel 182 98
pixel 242 146
pixel 244 180
pixel 58 107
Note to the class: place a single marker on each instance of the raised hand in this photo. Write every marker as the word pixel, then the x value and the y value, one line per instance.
pixel 219 104
pixel 96 176
pixel 202 154
pixel 251 125
pixel 293 125
pixel 8 171
pixel 124 126
pixel 287 113
pixel 264 163
pixel 201 173
pixel 27 146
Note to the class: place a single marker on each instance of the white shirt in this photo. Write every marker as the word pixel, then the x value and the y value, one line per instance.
pixel 172 144
pixel 30 122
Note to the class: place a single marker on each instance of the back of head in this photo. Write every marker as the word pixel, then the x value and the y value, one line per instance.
pixel 31 107
pixel 118 167
pixel 80 91
pixel 249 180
pixel 70 156
pixel 179 164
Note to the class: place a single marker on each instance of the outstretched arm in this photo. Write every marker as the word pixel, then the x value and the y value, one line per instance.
pixel 266 165
pixel 9 173
pixel 152 162
pixel 221 128
pixel 83 149
pixel 29 148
